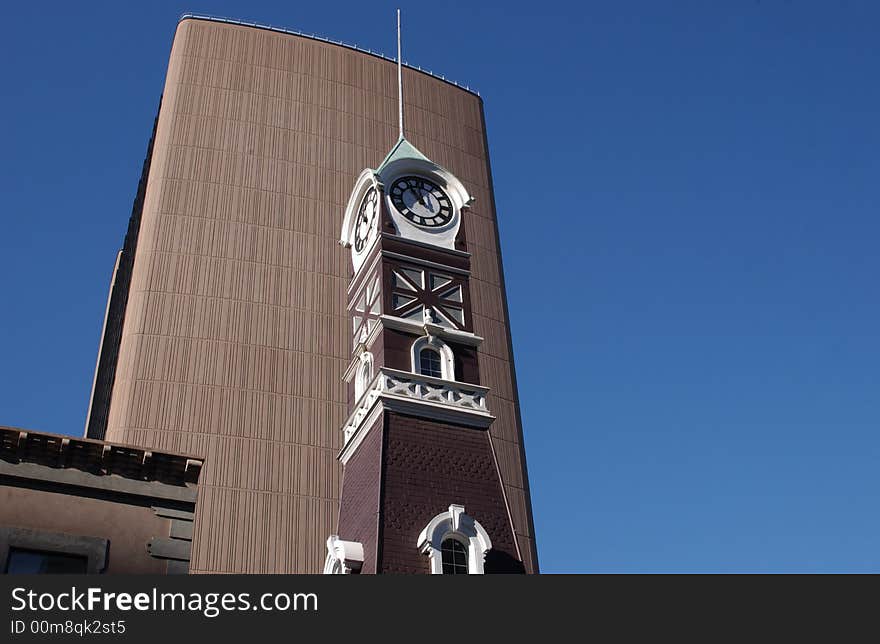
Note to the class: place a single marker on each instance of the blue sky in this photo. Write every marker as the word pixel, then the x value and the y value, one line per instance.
pixel 688 200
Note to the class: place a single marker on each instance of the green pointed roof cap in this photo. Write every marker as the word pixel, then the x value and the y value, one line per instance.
pixel 403 149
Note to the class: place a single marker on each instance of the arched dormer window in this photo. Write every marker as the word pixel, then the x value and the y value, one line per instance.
pixel 432 357
pixel 455 543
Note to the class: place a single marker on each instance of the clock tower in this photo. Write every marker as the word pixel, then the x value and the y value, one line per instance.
pixel 421 489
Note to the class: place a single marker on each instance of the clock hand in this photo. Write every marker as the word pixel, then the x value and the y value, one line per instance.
pixel 429 204
pixel 417 194
pixel 425 198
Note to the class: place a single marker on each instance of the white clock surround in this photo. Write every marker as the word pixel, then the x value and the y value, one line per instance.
pixel 404 160
pixel 443 236
pixel 365 181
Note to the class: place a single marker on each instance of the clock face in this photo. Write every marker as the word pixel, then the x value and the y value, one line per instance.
pixel 366 219
pixel 421 201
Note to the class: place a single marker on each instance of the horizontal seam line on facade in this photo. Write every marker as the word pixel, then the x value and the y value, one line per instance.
pixel 241 260
pixel 345 361
pixel 171 143
pixel 270 492
pixel 229 184
pixel 165 213
pixel 300 270
pixel 231 388
pixel 248 439
pixel 489 250
pixel 231 119
pixel 232 299
pixel 472 212
pixel 238 259
pixel 235 299
pixel 504 440
pixel 226 184
pixel 483 355
pixel 392 97
pixel 197 56
pixel 157 251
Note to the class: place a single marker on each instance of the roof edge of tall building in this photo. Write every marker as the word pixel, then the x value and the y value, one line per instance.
pixel 339 43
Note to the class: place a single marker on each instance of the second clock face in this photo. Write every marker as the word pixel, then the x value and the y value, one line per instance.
pixel 421 201
pixel 366 219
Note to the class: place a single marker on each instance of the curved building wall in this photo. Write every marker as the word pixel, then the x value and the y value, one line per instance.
pixel 236 332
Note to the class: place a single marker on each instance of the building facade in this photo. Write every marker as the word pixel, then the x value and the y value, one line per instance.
pixel 70 505
pixel 229 333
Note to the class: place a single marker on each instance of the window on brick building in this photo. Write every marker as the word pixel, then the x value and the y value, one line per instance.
pixel 23 561
pixel 455 557
pixel 455 543
pixel 433 357
pixel 430 363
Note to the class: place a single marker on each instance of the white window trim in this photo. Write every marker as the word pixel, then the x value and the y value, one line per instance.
pixel 455 524
pixel 343 557
pixel 364 374
pixel 447 358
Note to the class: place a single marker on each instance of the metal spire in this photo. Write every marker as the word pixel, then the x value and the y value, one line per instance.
pixel 399 79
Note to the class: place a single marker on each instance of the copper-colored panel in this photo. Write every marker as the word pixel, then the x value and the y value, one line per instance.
pixel 236 333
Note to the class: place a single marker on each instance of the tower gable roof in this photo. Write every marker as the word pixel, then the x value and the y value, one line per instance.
pixel 403 149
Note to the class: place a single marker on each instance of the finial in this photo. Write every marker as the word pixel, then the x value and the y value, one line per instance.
pixel 399 79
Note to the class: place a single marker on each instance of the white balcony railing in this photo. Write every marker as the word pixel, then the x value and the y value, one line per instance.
pixel 443 395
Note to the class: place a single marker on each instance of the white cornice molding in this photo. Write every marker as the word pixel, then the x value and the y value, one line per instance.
pixel 438 412
pixel 424 262
pixel 373 407
pixel 418 328
pixel 451 251
pixel 359 281
pixel 371 337
pixel 352 366
pixel 361 347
